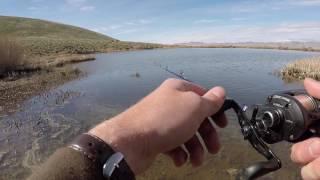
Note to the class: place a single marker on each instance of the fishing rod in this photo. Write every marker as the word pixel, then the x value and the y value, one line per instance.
pixel 179 75
pixel 291 116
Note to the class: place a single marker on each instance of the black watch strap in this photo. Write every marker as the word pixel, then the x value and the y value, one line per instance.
pixel 114 164
pixel 116 168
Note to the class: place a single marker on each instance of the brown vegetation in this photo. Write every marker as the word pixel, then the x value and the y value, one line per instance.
pixel 45 62
pixel 300 69
pixel 13 93
pixel 23 75
pixel 11 55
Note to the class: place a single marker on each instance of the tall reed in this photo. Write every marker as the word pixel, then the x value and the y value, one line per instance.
pixel 11 55
pixel 300 69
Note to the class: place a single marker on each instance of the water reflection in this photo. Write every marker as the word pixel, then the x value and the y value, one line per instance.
pixel 118 80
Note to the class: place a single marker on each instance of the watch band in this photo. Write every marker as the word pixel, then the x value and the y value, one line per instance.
pixel 114 166
pixel 92 147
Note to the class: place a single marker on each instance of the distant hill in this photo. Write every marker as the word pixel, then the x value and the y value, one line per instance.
pixel 293 45
pixel 27 27
pixel 42 37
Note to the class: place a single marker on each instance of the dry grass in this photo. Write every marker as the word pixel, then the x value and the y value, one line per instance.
pixel 11 55
pixel 45 62
pixel 303 68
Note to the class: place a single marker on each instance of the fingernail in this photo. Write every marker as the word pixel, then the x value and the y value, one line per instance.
pixel 314 149
pixel 219 92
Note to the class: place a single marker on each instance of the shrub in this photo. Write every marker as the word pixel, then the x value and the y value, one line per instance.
pixel 11 55
pixel 309 67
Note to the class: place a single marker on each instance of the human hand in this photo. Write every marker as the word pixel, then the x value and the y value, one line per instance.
pixel 307 153
pixel 164 120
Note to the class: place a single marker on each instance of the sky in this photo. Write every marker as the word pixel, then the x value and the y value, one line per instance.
pixel 180 21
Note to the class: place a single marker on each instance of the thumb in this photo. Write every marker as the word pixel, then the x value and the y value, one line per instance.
pixel 312 87
pixel 213 100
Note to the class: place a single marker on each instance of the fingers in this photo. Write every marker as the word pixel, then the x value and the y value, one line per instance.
pixel 194 147
pixel 220 120
pixel 195 150
pixel 194 88
pixel 306 151
pixel 213 100
pixel 312 170
pixel 209 136
pixel 178 155
pixel 312 87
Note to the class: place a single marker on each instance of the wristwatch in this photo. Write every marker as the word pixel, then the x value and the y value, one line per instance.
pixel 114 166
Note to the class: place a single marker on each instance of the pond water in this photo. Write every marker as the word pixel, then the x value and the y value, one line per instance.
pixel 117 80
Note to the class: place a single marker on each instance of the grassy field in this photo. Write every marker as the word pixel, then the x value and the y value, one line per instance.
pixel 303 68
pixel 42 38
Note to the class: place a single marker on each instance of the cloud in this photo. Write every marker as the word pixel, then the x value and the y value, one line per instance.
pixel 308 31
pixel 305 2
pixel 108 29
pixel 33 8
pixel 128 31
pixel 144 21
pixel 87 8
pixel 238 19
pixel 37 8
pixel 205 21
pixel 76 2
pixel 123 28
pixel 36 1
pixel 138 22
pixel 309 27
pixel 81 5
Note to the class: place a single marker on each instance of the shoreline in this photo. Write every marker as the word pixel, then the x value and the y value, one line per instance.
pixel 14 92
pixel 43 74
pixel 252 47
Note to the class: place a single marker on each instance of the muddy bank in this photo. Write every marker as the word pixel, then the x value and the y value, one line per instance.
pixel 37 74
pixel 14 91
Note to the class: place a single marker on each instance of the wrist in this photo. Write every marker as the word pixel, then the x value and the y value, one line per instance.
pixel 122 137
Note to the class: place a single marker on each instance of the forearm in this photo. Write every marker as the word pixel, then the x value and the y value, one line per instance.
pixel 77 161
pixel 67 163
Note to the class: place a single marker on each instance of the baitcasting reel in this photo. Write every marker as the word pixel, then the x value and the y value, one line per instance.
pixel 288 116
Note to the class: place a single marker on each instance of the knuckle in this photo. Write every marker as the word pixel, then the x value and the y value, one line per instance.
pixel 194 98
pixel 171 82
pixel 215 101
